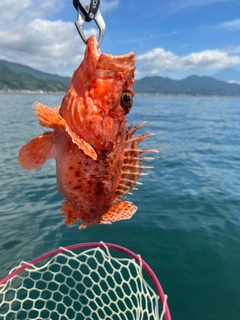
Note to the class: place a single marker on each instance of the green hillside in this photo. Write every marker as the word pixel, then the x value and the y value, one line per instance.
pixel 23 81
pixel 15 76
pixel 193 85
pixel 19 69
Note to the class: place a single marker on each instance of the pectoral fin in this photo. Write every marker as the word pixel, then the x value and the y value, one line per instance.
pixel 121 210
pixel 36 152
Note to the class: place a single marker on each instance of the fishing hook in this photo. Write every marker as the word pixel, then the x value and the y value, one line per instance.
pixel 88 13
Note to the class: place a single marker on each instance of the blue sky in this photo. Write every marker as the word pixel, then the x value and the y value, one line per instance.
pixel 173 38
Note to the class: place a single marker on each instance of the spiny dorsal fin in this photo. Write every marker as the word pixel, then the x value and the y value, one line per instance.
pixel 131 170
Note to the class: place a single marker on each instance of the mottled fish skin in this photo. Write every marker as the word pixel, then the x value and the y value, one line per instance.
pixel 97 159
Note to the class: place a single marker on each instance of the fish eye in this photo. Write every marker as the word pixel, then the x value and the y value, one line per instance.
pixel 127 99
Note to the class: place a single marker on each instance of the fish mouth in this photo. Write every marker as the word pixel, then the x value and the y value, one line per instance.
pixel 92 49
pixel 97 66
pixel 102 61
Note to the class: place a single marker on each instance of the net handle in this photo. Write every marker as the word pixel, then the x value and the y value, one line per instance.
pixel 101 245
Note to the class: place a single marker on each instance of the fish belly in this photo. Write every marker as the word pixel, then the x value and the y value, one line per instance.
pixel 88 185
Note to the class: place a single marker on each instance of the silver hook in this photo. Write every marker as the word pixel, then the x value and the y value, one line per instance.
pixel 88 13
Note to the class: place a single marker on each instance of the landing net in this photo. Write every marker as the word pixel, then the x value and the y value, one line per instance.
pixel 85 281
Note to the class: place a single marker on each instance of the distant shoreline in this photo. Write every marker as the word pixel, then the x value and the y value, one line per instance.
pixel 9 91
pixel 29 81
pixel 41 92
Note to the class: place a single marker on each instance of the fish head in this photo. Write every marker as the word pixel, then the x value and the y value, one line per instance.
pixel 99 97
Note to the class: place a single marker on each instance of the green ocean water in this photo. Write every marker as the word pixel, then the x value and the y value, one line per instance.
pixel 187 227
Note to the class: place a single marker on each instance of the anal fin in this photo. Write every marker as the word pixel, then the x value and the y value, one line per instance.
pixel 36 152
pixel 70 215
pixel 121 210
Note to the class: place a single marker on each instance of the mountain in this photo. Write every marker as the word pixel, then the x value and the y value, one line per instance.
pixel 20 69
pixel 227 74
pixel 15 76
pixel 193 85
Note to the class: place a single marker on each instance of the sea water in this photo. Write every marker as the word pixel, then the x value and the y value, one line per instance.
pixel 187 227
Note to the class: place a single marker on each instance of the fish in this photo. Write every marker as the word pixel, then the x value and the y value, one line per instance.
pixel 97 157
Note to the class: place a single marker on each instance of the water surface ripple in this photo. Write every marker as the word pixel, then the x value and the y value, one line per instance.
pixel 188 223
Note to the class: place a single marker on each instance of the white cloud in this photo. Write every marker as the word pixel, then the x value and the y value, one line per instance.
pixel 209 59
pixel 229 25
pixel 14 10
pixel 179 5
pixel 109 5
pixel 234 81
pixel 159 60
pixel 28 37
pixel 11 9
pixel 234 49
